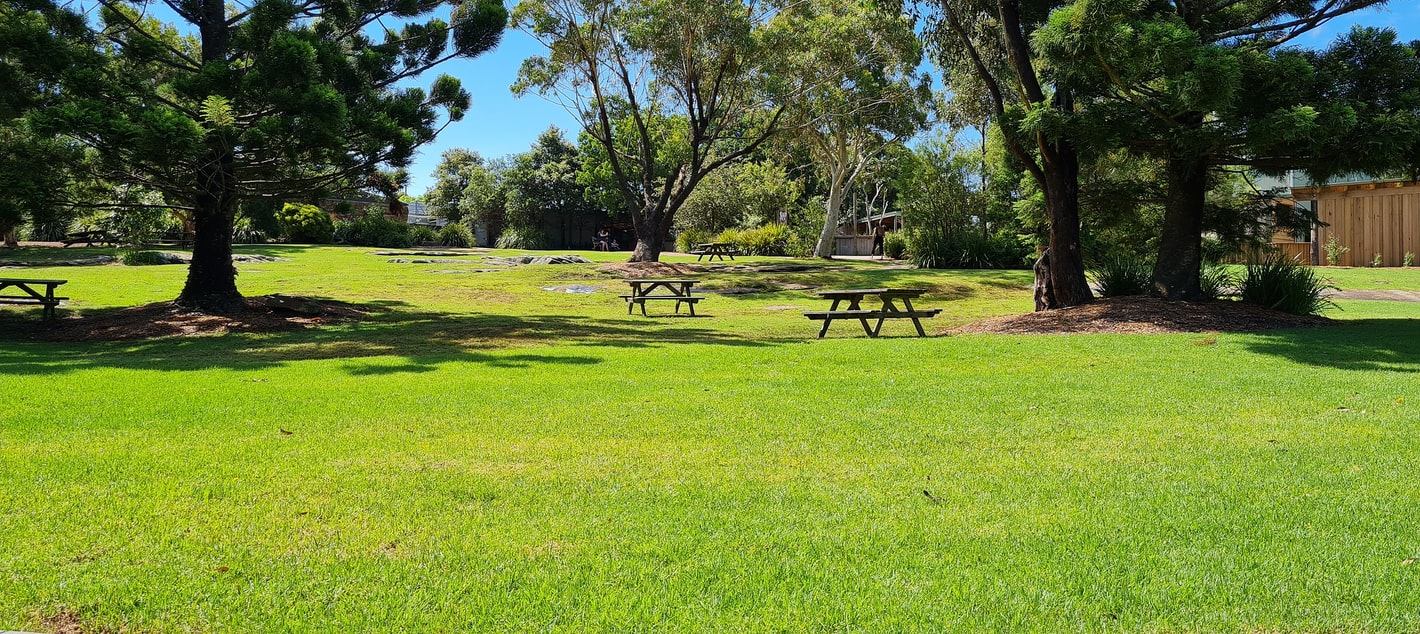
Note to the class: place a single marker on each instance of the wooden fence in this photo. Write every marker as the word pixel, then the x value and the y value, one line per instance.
pixel 1369 219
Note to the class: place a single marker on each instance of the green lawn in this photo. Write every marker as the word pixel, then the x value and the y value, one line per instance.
pixel 489 455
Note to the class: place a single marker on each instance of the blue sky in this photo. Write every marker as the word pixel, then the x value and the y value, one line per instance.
pixel 499 123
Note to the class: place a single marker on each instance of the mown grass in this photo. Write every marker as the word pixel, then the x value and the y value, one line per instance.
pixel 488 455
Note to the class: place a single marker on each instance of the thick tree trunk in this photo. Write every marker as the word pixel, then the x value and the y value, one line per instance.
pixel 1180 257
pixel 1068 285
pixel 211 278
pixel 651 228
pixel 11 238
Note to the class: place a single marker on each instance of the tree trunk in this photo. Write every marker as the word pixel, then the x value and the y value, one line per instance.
pixel 651 229
pixel 1180 257
pixel 11 238
pixel 834 206
pixel 211 278
pixel 1068 285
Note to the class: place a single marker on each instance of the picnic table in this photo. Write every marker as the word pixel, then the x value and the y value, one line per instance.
pixel 89 238
pixel 715 250
pixel 644 290
pixel 888 310
pixel 31 296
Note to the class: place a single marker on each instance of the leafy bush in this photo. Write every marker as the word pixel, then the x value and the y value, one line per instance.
pixel 1409 260
pixel 420 234
pixel 1122 273
pixel 686 240
pixel 894 245
pixel 770 239
pixel 305 223
pixel 1378 261
pixel 1334 250
pixel 932 249
pixel 1217 281
pixel 142 258
pixel 375 230
pixel 521 238
pixel 456 234
pixel 1281 283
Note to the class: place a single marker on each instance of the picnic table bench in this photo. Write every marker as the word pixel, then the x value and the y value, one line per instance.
pixel 644 290
pixel 715 250
pixel 889 309
pixel 89 238
pixel 31 296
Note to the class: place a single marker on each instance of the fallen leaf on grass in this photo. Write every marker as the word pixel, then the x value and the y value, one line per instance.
pixel 284 432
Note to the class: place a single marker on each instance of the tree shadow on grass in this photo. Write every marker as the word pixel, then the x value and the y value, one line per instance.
pixel 419 341
pixel 1365 344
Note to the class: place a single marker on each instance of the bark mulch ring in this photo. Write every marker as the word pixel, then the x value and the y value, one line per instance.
pixel 646 269
pixel 268 313
pixel 1146 315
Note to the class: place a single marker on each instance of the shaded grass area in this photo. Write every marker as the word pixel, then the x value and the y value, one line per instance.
pixel 487 455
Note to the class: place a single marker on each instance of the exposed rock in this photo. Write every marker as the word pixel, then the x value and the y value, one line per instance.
pixel 426 261
pixel 98 260
pixel 575 289
pixel 537 259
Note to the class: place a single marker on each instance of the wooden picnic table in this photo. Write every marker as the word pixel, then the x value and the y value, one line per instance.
pixel 715 250
pixel 888 310
pixel 31 295
pixel 644 290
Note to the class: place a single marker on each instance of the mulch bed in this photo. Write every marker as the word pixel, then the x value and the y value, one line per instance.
pixel 268 313
pixel 1146 315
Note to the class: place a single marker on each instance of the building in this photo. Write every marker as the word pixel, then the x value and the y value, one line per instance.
pixel 1367 220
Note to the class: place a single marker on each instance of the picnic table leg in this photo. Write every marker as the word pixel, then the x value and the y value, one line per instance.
pixel 887 307
pixel 692 308
pixel 827 319
pixel 915 321
pixel 643 307
pixel 49 302
pixel 855 305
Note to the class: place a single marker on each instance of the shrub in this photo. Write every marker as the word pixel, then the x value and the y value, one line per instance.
pixel 1378 261
pixel 420 234
pixel 305 223
pixel 143 258
pixel 1281 283
pixel 1334 250
pixel 1120 274
pixel 375 230
pixel 894 245
pixel 686 240
pixel 1217 281
pixel 772 239
pixel 932 249
pixel 521 238
pixel 1409 260
pixel 244 231
pixel 456 234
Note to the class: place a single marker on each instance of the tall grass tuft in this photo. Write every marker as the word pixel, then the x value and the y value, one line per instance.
pixel 1121 274
pixel 1281 283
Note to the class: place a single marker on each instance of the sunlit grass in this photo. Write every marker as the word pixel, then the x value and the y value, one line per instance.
pixel 489 455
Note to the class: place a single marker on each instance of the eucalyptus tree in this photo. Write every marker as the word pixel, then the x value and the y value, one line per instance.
pixel 985 48
pixel 457 169
pixel 267 98
pixel 667 91
pixel 849 74
pixel 1204 86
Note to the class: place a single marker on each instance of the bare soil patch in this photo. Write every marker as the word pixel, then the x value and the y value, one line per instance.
pixel 268 313
pixel 1146 315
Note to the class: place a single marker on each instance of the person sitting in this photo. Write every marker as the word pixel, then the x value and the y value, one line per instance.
pixel 603 241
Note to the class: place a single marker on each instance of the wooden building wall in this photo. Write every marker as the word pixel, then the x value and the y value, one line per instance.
pixel 1372 218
